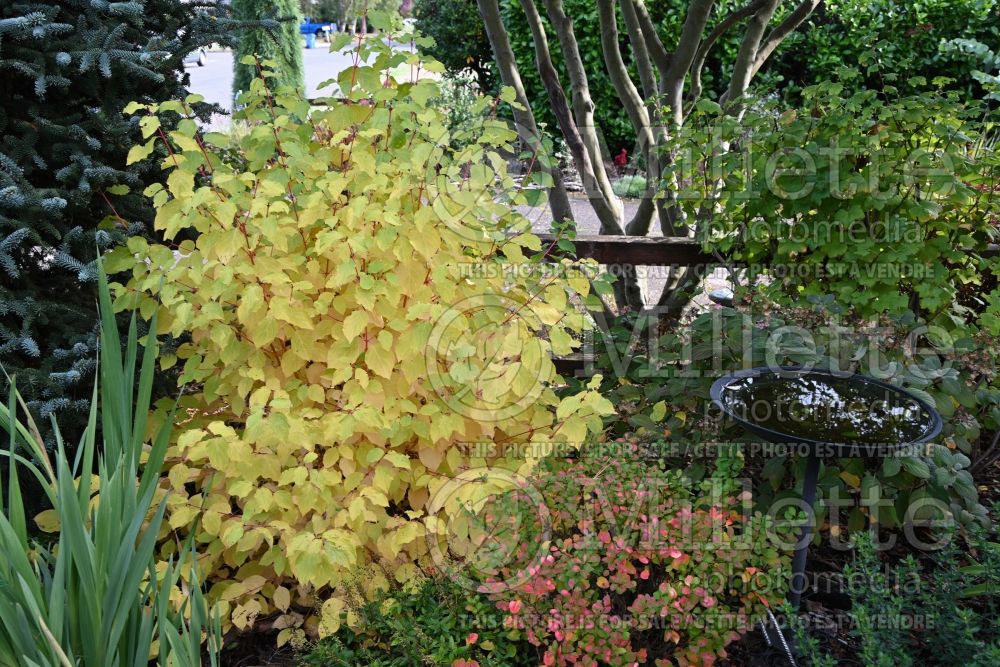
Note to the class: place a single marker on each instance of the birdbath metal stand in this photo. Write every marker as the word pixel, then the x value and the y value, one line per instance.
pixel 823 414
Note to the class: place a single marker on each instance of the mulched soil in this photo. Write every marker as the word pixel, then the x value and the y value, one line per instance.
pixel 256 650
pixel 827 611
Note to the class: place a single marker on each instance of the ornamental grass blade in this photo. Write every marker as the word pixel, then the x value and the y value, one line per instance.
pixel 115 416
pixel 15 506
pixel 95 599
pixel 145 392
pixel 26 434
pixel 16 564
pixel 33 437
pixel 85 583
pixel 84 466
pixel 132 563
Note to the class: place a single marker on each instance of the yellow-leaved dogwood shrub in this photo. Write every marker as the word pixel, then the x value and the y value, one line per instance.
pixel 362 325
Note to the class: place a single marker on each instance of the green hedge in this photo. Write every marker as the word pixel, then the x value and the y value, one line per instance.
pixel 835 36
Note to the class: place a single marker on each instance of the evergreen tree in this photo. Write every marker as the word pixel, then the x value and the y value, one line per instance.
pixel 67 70
pixel 279 42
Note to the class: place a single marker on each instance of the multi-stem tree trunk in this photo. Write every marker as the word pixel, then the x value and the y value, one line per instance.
pixel 596 183
pixel 669 84
pixel 527 128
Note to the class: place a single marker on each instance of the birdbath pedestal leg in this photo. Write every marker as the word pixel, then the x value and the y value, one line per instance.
pixel 798 583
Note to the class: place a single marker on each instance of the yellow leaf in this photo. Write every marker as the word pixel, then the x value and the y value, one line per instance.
pixel 380 361
pixel 354 324
pixel 317 393
pixel 292 313
pixel 245 614
pixel 296 637
pixel 180 183
pixel 48 521
pixel 139 152
pixel 853 481
pixel 431 458
pixel 211 522
pixel 233 590
pixel 178 475
pixel 330 617
pixel 232 533
pixel 398 460
pixel 282 598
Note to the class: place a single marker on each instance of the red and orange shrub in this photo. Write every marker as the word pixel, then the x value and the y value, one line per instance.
pixel 632 563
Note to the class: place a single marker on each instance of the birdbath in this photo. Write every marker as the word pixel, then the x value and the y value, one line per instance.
pixel 822 413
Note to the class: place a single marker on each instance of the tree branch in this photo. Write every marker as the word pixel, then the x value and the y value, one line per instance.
pixel 640 51
pixel 658 133
pixel 628 95
pixel 783 30
pixel 747 56
pixel 583 104
pixel 643 218
pixel 706 45
pixel 600 184
pixel 683 56
pixel 657 52
pixel 527 128
pixel 609 215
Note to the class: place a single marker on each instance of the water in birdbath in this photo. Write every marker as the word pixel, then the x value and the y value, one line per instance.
pixel 827 408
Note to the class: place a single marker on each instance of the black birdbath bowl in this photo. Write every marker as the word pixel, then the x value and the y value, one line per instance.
pixel 822 413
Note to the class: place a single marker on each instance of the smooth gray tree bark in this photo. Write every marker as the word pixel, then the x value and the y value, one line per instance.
pixel 669 80
pixel 527 128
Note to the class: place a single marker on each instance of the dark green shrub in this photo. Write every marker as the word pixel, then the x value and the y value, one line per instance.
pixel 435 623
pixel 956 628
pixel 660 385
pixel 884 203
pixel 979 57
pixel 908 34
pixel 326 11
pixel 459 38
pixel 463 104
pixel 836 35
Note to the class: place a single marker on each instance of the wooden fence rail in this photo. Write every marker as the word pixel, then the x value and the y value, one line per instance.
pixel 657 251
pixel 638 250
pixel 646 251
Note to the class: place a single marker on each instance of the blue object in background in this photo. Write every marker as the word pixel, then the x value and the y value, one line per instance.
pixel 309 27
pixel 310 41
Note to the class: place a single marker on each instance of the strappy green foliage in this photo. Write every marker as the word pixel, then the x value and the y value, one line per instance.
pixel 94 598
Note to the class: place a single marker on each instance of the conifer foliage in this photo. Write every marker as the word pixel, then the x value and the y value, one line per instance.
pixel 67 69
pixel 275 39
